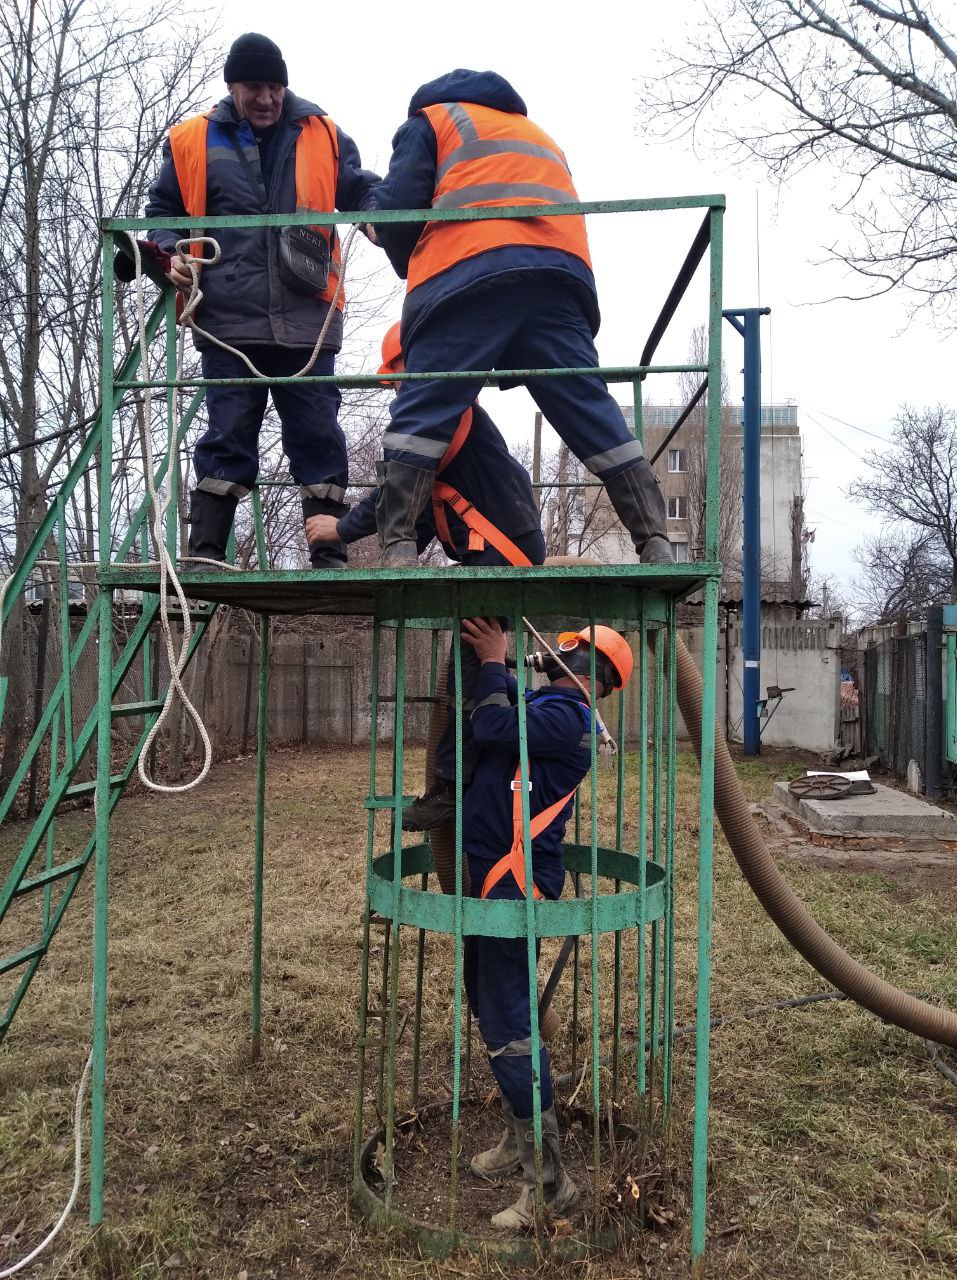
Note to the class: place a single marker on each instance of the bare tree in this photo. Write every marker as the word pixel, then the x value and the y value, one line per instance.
pixel 912 484
pixel 87 92
pixel 904 571
pixel 576 514
pixel 829 599
pixel 870 85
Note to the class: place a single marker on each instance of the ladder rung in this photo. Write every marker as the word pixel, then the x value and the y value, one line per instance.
pixel 22 957
pixel 87 788
pixel 48 876
pixel 136 708
pixel 386 802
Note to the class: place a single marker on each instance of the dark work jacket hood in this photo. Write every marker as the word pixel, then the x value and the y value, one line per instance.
pixel 486 88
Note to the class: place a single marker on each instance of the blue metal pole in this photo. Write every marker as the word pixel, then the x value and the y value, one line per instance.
pixel 751 556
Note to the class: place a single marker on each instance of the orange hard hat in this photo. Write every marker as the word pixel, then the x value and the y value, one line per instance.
pixel 610 643
pixel 391 349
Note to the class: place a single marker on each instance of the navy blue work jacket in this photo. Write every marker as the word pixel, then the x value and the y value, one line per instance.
pixel 558 724
pixel 484 472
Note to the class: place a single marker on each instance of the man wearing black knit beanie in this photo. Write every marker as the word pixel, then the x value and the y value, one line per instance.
pixel 262 149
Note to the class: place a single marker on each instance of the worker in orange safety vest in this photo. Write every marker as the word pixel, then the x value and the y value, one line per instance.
pixel 262 150
pixel 494 294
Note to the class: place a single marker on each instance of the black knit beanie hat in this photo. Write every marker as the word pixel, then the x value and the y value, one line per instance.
pixel 255 57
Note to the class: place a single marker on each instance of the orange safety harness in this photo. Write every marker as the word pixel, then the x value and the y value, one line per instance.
pixel 514 860
pixel 481 530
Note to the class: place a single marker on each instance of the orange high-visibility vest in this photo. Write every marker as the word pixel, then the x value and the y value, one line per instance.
pixel 486 157
pixel 317 175
pixel 481 530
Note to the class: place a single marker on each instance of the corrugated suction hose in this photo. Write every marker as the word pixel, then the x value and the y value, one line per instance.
pixel 781 902
pixel 442 838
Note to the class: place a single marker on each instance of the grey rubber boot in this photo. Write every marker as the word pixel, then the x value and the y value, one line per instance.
pixel 325 555
pixel 210 524
pixel 502 1160
pixel 434 809
pixel 640 506
pixel 403 494
pixel 559 1193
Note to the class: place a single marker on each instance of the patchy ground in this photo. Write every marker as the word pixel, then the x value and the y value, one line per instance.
pixel 833 1139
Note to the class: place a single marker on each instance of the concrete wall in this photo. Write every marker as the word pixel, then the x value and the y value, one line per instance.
pixel 802 655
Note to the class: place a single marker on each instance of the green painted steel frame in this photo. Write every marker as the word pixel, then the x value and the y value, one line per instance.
pixel 643 596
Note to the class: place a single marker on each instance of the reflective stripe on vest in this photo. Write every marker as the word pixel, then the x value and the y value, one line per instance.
pixel 481 530
pixel 317 175
pixel 486 157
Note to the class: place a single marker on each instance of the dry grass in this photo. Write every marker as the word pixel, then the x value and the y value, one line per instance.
pixel 832 1138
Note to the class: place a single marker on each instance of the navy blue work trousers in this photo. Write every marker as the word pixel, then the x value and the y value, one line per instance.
pixel 496 983
pixel 514 325
pixel 226 457
pixel 533 544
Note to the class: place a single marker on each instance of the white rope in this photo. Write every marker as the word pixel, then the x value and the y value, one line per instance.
pixel 160 502
pixel 77 1178
pixel 193 264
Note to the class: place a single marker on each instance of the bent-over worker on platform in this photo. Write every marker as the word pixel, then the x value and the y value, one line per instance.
pixel 558 723
pixel 495 294
pixel 483 512
pixel 263 150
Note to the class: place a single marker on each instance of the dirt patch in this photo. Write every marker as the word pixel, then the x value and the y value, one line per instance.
pixel 628 1191
pixel 916 867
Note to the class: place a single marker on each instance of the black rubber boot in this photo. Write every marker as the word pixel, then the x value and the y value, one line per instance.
pixel 636 496
pixel 434 809
pixel 403 494
pixel 325 555
pixel 210 524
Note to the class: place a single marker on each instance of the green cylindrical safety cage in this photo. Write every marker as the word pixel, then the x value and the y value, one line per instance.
pixel 425 1098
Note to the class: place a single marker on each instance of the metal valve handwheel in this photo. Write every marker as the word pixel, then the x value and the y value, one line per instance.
pixel 823 787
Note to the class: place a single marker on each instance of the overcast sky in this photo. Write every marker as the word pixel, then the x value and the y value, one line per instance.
pixel 848 366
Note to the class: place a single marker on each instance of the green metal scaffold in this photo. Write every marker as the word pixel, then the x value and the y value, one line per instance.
pixel 624 867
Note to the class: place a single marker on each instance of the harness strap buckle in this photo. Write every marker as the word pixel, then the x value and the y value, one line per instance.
pixel 517 784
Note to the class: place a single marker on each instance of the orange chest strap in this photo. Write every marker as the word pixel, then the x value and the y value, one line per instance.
pixel 514 860
pixel 481 530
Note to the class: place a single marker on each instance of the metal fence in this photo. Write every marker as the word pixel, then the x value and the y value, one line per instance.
pixel 895 703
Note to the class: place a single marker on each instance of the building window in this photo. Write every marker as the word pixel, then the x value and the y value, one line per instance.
pixel 680 552
pixel 678 508
pixel 677 460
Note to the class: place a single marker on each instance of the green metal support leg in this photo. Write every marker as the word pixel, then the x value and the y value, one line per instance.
pixel 258 861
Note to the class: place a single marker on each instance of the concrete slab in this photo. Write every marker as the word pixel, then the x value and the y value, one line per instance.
pixel 885 813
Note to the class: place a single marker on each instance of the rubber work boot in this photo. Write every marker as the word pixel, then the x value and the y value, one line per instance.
pixel 210 524
pixel 637 498
pixel 559 1193
pixel 325 555
pixel 503 1160
pixel 434 809
pixel 403 494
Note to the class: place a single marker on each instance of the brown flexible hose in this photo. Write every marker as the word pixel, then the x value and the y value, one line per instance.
pixel 781 902
pixel 442 838
pixel 774 893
